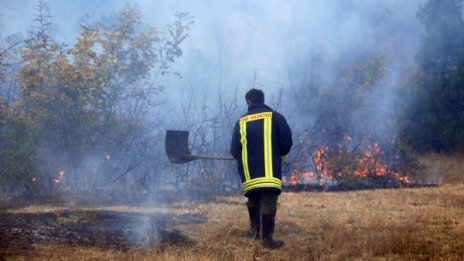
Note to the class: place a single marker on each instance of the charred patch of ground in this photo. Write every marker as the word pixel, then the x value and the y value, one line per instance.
pixel 97 228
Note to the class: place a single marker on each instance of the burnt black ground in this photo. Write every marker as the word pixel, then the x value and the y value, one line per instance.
pixel 108 229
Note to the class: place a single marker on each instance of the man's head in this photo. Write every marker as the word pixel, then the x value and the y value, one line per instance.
pixel 254 96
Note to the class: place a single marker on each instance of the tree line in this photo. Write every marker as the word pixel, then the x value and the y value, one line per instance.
pixel 435 119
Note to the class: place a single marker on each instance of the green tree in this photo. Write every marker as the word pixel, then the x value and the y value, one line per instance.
pixel 436 119
pixel 83 105
pixel 19 148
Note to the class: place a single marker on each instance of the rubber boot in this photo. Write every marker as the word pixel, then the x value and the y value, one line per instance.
pixel 268 231
pixel 255 222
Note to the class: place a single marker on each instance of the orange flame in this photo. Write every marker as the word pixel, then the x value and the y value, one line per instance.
pixel 300 178
pixel 367 164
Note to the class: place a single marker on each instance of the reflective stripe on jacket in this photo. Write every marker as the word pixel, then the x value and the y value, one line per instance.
pixel 260 138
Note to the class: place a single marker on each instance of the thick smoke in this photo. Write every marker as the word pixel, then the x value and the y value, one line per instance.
pixel 336 63
pixel 244 43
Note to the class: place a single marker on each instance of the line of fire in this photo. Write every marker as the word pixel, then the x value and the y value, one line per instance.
pixel 338 168
pixel 343 166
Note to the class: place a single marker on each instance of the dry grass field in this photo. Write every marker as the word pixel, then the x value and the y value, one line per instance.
pixel 389 224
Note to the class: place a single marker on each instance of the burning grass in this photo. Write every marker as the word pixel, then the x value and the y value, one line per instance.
pixel 406 224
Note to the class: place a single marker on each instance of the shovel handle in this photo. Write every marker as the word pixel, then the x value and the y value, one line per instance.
pixel 195 157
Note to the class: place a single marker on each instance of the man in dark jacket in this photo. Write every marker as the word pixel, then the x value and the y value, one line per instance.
pixel 261 139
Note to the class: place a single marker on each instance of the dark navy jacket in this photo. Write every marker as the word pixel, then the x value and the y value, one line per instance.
pixel 261 137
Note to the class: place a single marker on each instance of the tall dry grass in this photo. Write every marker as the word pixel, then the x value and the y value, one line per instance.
pixel 391 224
pixel 448 168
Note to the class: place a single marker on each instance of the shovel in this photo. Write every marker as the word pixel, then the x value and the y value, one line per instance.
pixel 177 148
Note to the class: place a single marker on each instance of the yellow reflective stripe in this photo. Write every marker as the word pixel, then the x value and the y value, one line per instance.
pixel 262 182
pixel 268 169
pixel 244 142
pixel 256 116
pixel 263 185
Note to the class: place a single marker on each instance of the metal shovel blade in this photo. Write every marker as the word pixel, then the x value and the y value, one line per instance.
pixel 177 148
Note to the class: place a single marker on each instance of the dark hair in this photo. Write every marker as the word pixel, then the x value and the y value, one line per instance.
pixel 255 96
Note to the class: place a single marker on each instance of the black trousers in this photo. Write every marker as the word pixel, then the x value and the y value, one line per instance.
pixel 266 201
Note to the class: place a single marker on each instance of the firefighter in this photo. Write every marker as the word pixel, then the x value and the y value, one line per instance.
pixel 261 139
